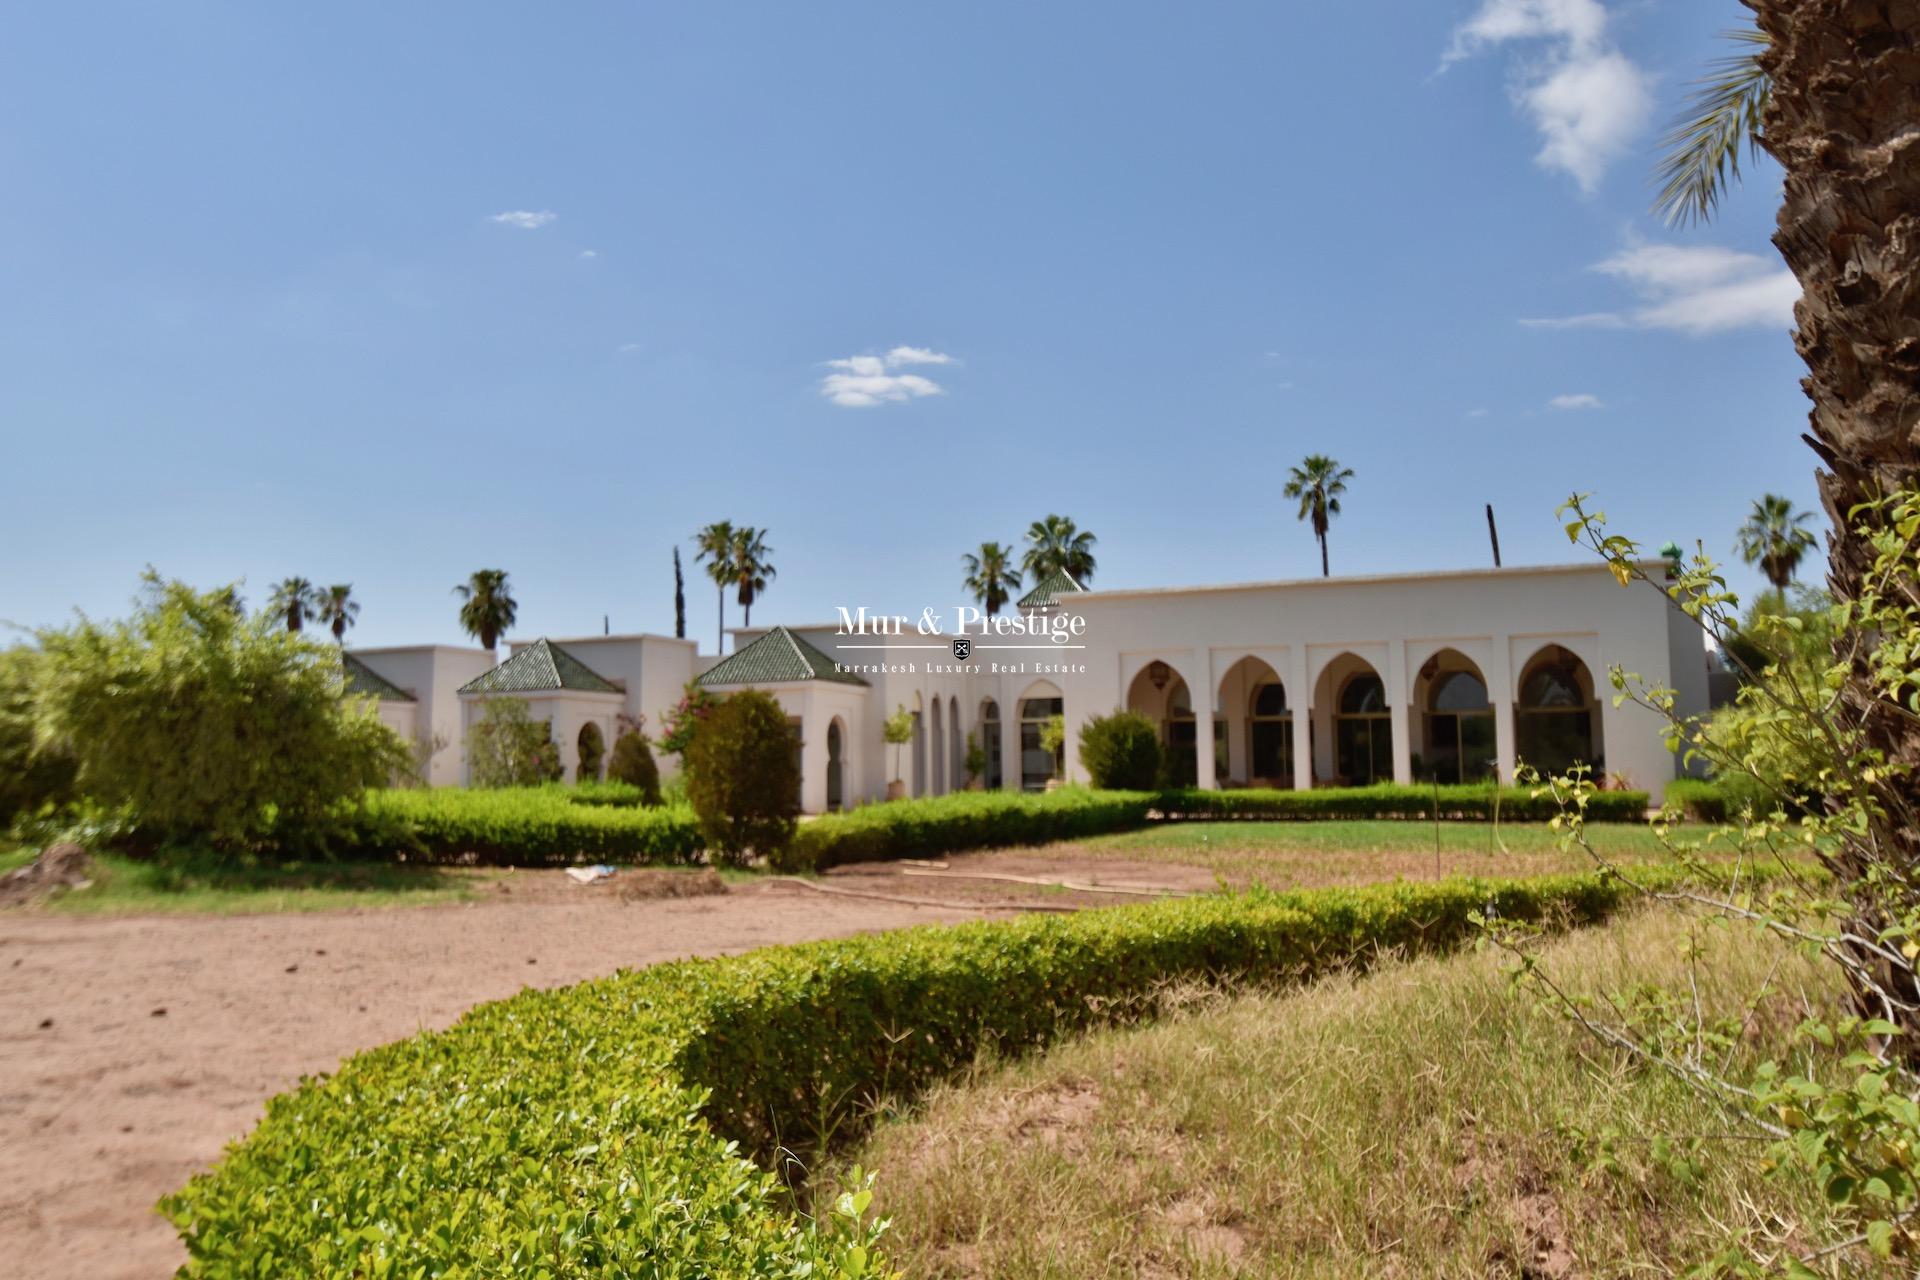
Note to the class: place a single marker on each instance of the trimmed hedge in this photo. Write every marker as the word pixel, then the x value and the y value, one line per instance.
pixel 1699 799
pixel 529 826
pixel 590 1130
pixel 1466 802
pixel 964 820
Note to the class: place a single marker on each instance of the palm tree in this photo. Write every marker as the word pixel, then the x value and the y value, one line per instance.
pixel 1774 537
pixel 1829 95
pixel 714 546
pixel 337 607
pixel 489 609
pixel 297 599
pixel 991 576
pixel 752 568
pixel 1054 545
pixel 1703 145
pixel 1318 482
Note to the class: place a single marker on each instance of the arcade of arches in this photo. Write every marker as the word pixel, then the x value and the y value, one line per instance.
pixel 1345 736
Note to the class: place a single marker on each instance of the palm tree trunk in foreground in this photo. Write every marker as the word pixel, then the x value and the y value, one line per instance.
pixel 1842 122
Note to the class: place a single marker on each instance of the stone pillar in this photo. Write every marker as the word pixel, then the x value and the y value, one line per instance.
pixel 1010 748
pixel 1203 720
pixel 1500 692
pixel 1400 712
pixel 813 761
pixel 1300 698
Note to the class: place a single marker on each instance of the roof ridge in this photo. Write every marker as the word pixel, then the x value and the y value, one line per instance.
pixel 806 663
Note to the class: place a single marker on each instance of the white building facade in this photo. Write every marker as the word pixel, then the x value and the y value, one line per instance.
pixel 1319 682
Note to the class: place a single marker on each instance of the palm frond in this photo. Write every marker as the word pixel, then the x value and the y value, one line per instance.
pixel 1702 148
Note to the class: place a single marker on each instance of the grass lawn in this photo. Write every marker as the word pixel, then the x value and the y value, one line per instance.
pixel 1304 854
pixel 1424 1120
pixel 211 884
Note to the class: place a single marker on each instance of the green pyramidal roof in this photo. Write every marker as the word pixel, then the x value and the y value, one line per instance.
pixel 365 682
pixel 1054 585
pixel 778 657
pixel 539 668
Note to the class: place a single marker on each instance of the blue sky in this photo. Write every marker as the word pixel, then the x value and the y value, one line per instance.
pixel 386 293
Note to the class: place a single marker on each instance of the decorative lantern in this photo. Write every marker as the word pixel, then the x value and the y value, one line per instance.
pixel 1159 672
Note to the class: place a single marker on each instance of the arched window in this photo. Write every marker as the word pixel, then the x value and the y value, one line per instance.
pixel 590 746
pixel 1362 733
pixel 1460 738
pixel 990 743
pixel 1554 723
pixel 1037 764
pixel 1270 736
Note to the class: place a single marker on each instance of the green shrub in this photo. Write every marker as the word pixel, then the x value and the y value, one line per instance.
pixel 1470 802
pixel 586 1131
pixel 743 779
pixel 633 764
pixel 525 826
pixel 33 776
pixel 507 747
pixel 1121 752
pixel 209 726
pixel 965 820
pixel 619 795
pixel 1698 799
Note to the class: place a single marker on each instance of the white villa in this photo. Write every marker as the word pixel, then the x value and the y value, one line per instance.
pixel 1316 682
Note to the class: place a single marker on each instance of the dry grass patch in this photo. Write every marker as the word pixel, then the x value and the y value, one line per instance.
pixel 1423 1120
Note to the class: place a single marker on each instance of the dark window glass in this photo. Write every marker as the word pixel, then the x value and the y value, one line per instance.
pixel 1270 699
pixel 1459 691
pixel 1364 695
pixel 1551 687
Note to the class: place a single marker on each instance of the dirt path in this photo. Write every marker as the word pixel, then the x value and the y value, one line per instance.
pixel 133 1049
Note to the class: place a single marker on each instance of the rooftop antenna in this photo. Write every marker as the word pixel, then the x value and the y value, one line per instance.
pixel 1493 535
pixel 606 623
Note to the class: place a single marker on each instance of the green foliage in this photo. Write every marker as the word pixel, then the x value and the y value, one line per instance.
pixel 208 726
pixel 1053 734
pixel 588 1131
pixel 975 760
pixel 743 779
pixel 507 747
pixel 1699 799
pixel 966 820
pixel 1121 751
pixel 526 826
pixel 34 776
pixel 1825 738
pixel 634 765
pixel 897 731
pixel 684 718
pixel 1460 802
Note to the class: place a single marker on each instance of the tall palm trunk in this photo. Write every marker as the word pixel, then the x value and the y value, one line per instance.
pixel 720 628
pixel 293 616
pixel 1841 121
pixel 1323 557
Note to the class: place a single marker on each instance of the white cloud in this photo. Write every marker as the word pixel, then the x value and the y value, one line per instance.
pixel 524 219
pixel 916 355
pixel 865 381
pixel 1694 289
pixel 586 254
pixel 627 348
pixel 1587 99
pixel 1476 413
pixel 1580 400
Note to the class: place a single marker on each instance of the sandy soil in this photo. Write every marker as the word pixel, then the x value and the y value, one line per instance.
pixel 132 1049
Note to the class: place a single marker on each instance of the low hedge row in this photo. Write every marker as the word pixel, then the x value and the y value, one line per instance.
pixel 1472 802
pixel 964 820
pixel 527 827
pixel 597 1130
pixel 1699 799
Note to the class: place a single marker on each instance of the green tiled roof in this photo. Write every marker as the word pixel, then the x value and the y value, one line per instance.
pixel 778 657
pixel 368 683
pixel 541 667
pixel 1059 583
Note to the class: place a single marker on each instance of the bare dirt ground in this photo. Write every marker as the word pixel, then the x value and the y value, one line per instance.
pixel 132 1049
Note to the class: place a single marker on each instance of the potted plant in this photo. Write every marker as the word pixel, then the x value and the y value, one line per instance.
pixel 976 764
pixel 898 731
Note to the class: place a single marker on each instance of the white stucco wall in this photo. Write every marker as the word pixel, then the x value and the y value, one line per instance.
pixel 432 674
